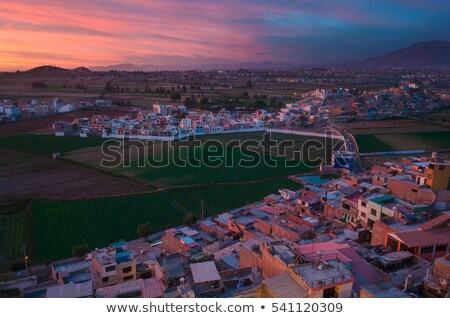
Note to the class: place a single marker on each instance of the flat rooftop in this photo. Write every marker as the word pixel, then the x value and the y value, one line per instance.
pixel 321 275
pixel 72 266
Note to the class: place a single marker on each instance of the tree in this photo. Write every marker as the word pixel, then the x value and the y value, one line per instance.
pixel 204 100
pixel 249 84
pixel 143 230
pixel 189 219
pixel 260 103
pixel 80 250
pixel 109 87
pixel 39 85
pixel 175 96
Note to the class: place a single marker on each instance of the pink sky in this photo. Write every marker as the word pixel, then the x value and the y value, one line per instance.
pixel 104 32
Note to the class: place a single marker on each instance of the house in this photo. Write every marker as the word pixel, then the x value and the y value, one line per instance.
pixel 141 288
pixel 113 265
pixel 430 241
pixel 205 280
pixel 170 271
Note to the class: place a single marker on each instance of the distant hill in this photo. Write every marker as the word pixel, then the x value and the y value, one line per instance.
pixel 178 67
pixel 55 71
pixel 433 54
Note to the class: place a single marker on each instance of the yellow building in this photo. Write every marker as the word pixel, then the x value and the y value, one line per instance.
pixel 438 175
pixel 113 265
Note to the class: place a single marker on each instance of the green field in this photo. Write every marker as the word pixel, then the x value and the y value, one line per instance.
pixel 398 142
pixel 60 225
pixel 57 226
pixel 47 145
pixel 14 228
pixel 229 162
pixel 435 139
pixel 232 168
pixel 371 143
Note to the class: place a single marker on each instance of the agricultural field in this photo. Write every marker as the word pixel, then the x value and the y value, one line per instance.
pixel 47 145
pixel 30 176
pixel 138 150
pixel 15 231
pixel 394 126
pixel 230 169
pixel 397 142
pixel 442 116
pixel 116 208
pixel 372 143
pixel 60 225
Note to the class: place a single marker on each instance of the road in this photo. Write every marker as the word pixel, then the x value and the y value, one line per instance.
pixel 350 145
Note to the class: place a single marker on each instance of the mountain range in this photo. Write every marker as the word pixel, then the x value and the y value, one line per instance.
pixel 430 55
pixel 433 54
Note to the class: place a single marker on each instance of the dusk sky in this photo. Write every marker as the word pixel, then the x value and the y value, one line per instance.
pixel 87 33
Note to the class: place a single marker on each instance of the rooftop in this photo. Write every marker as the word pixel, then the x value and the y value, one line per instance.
pixel 82 290
pixel 383 289
pixel 129 289
pixel 204 272
pixel 423 238
pixel 285 286
pixel 323 273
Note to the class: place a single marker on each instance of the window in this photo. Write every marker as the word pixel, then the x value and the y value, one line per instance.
pixel 110 268
pixel 414 190
pixel 128 277
pixel 431 166
pixel 127 269
pixel 363 204
pixel 346 206
pixel 373 212
pixel 105 279
pixel 441 248
pixel 441 167
pixel 363 215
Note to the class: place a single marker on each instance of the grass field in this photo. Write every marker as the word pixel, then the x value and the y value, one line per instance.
pixel 372 143
pixel 15 222
pixel 60 225
pixel 230 169
pixel 411 141
pixel 57 226
pixel 46 145
pixel 393 126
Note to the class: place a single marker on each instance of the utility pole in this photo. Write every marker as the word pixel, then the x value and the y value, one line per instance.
pixel 25 258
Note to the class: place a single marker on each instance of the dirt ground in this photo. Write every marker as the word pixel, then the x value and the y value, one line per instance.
pixel 26 176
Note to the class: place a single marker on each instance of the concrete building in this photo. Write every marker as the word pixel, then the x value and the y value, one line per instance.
pixel 113 265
